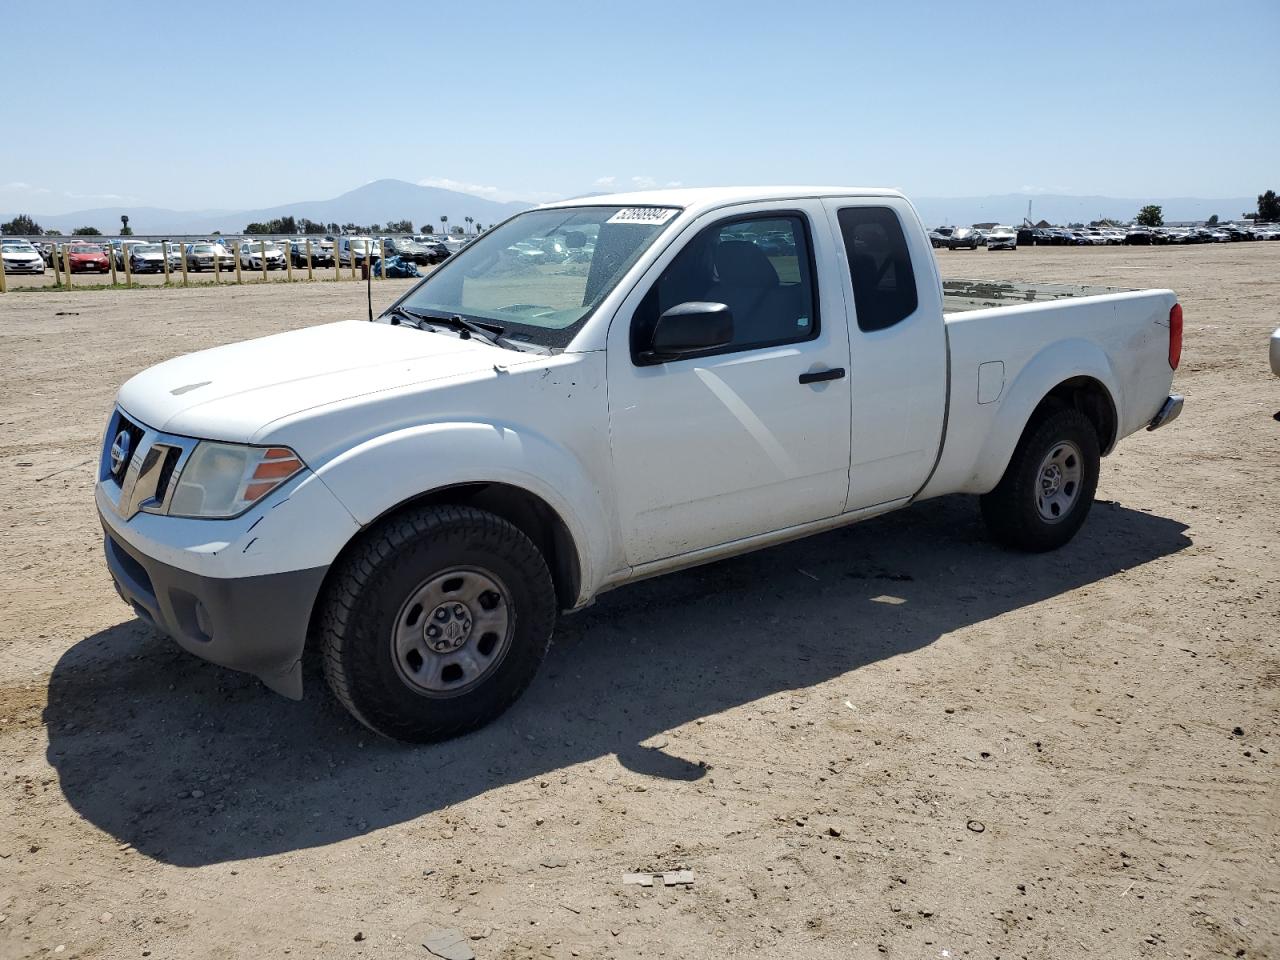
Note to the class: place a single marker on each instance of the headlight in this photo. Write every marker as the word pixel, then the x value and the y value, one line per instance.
pixel 225 479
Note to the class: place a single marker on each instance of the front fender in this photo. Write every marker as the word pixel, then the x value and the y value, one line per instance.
pixel 1054 364
pixel 388 470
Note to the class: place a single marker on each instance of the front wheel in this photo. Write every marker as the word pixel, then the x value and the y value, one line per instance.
pixel 436 622
pixel 1048 487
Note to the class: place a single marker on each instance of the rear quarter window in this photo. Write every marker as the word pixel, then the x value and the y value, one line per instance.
pixel 884 281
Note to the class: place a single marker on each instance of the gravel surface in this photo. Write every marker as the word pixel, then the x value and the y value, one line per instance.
pixel 891 740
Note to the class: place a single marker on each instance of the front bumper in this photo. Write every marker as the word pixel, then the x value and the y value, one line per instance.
pixel 238 592
pixel 1170 410
pixel 255 624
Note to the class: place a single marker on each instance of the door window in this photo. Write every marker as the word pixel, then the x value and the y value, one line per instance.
pixel 760 267
pixel 884 283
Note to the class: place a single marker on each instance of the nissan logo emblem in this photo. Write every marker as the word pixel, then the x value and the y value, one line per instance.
pixel 121 447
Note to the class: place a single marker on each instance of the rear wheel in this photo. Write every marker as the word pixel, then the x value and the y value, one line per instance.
pixel 436 622
pixel 1048 487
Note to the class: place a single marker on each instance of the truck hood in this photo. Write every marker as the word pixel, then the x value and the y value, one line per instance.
pixel 230 393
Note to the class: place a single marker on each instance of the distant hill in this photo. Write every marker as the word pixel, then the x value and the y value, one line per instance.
pixel 384 200
pixel 375 202
pixel 1062 209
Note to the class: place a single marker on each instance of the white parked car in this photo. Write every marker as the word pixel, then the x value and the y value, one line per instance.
pixel 414 500
pixel 252 253
pixel 20 256
pixel 1002 238
pixel 1275 352
pixel 364 248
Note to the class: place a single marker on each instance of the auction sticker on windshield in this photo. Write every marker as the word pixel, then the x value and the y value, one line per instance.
pixel 645 215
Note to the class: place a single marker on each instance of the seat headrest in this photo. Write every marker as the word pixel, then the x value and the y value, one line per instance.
pixel 743 264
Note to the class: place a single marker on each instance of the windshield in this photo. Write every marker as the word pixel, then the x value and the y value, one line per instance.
pixel 542 272
pixel 84 248
pixel 147 248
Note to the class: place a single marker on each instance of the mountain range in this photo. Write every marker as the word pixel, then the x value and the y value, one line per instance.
pixel 383 200
pixel 375 202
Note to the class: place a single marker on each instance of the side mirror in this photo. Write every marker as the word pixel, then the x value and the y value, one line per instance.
pixel 689 328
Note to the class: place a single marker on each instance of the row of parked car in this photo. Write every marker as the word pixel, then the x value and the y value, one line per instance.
pixel 148 256
pixel 1007 238
pixel 1218 233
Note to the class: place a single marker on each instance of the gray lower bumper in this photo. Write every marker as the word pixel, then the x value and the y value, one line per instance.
pixel 1169 412
pixel 254 624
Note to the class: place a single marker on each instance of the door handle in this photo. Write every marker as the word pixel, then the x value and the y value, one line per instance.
pixel 822 376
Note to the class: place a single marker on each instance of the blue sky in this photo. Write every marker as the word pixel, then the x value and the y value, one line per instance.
pixel 540 100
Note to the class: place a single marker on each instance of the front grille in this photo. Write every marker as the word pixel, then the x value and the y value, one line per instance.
pixel 153 462
pixel 134 433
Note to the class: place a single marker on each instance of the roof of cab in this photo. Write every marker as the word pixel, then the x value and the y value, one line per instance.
pixel 701 198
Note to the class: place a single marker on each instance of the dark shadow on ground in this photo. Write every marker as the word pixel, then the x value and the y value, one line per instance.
pixel 135 724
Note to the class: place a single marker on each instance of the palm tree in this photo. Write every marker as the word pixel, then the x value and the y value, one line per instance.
pixel 444 229
pixel 470 220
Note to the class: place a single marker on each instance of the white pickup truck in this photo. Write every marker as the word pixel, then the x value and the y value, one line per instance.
pixel 683 376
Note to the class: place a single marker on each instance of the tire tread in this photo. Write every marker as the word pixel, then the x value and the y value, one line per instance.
pixel 1010 511
pixel 382 549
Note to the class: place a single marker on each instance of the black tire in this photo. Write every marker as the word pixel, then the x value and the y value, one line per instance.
pixel 368 594
pixel 1012 510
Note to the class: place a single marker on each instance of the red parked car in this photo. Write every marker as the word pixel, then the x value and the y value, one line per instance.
pixel 88 258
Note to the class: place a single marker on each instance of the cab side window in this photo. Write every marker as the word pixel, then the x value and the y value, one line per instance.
pixel 884 283
pixel 760 267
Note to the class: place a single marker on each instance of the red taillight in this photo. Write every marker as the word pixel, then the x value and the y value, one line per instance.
pixel 1175 335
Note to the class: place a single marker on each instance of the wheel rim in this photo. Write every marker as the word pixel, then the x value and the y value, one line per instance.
pixel 1058 482
pixel 452 632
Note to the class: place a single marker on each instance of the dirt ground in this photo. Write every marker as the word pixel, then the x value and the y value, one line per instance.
pixel 891 740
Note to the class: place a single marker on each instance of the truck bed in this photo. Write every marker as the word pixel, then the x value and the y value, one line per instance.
pixel 959 296
pixel 1007 340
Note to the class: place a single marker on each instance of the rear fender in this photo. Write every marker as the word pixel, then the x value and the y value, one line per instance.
pixel 1056 363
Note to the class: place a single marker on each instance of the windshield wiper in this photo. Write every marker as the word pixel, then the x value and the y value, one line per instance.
pixel 466 328
pixel 491 333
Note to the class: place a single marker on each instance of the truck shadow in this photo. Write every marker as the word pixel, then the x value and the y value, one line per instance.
pixel 193 765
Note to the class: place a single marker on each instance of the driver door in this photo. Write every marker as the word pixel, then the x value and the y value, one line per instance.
pixel 749 437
